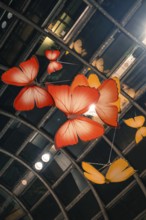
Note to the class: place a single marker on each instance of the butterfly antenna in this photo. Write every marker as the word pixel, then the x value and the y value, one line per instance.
pixel 68 80
pixel 74 64
pixel 111 150
pixel 100 164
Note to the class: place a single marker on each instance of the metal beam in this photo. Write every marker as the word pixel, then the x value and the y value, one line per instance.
pixel 12 195
pixel 48 187
pixel 101 205
pixel 119 196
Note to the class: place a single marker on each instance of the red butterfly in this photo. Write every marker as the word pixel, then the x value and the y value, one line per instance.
pixel 74 102
pixel 31 94
pixel 54 65
pixel 107 106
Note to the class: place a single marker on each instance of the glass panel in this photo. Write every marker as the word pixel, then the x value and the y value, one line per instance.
pixel 80 212
pixel 125 208
pixel 33 193
pixel 48 209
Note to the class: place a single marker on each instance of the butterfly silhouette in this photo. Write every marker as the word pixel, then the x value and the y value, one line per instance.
pixel 99 64
pixel 118 171
pixel 108 104
pixel 74 102
pixel 78 47
pixel 137 122
pixel 31 94
pixel 54 65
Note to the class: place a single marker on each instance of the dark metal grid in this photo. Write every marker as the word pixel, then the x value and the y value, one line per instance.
pixel 17 200
pixel 92 188
pixel 48 187
pixel 66 154
pixel 122 193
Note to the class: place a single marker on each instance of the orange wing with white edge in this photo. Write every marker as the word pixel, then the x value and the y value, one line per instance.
pixel 105 107
pixel 119 171
pixel 92 174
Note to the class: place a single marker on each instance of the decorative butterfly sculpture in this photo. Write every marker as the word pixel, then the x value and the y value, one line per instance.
pixel 31 94
pixel 74 101
pixel 54 65
pixel 78 47
pixel 108 104
pixel 118 171
pixel 137 122
pixel 99 64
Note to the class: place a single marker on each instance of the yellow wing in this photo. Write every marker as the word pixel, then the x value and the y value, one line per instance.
pixel 92 174
pixel 140 134
pixel 119 171
pixel 135 122
pixel 93 81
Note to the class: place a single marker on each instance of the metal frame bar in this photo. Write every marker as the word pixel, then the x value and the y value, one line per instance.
pixel 122 193
pixel 101 205
pixel 17 200
pixel 48 187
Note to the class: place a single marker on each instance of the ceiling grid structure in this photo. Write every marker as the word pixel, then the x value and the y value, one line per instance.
pixel 39 127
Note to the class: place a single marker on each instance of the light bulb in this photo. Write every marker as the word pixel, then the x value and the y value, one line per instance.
pixel 46 157
pixel 38 165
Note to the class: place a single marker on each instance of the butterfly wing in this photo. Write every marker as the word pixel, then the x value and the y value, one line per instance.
pixel 24 76
pixel 52 55
pixel 78 46
pixel 79 80
pixel 105 108
pixel 53 67
pixel 92 174
pixel 135 122
pixel 119 171
pixel 93 81
pixel 76 102
pixel 31 95
pixel 81 127
pixel 140 134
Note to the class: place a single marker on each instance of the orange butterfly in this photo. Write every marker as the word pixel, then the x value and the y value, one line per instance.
pixel 54 65
pixel 74 102
pixel 31 94
pixel 108 104
pixel 118 171
pixel 137 122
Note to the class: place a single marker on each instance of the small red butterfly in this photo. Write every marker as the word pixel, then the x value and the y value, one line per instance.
pixel 74 102
pixel 31 94
pixel 54 65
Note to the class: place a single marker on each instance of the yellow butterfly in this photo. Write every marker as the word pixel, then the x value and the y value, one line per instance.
pixel 137 122
pixel 118 171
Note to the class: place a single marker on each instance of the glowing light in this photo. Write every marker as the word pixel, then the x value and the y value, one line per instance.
pixel 46 157
pixel 38 165
pixel 91 111
pixel 24 182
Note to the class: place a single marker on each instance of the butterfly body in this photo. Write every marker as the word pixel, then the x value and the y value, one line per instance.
pixel 74 102
pixel 54 65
